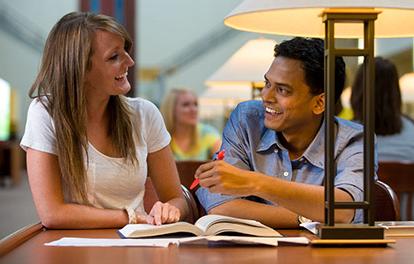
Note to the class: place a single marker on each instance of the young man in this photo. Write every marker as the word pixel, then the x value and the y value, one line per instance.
pixel 273 170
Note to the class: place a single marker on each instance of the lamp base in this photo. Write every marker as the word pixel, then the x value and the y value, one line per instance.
pixel 350 231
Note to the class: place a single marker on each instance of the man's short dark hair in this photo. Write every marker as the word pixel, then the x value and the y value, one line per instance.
pixel 310 51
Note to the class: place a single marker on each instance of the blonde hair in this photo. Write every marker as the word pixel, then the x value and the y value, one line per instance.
pixel 168 112
pixel 60 88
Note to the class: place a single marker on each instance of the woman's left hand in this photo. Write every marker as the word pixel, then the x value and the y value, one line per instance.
pixel 164 213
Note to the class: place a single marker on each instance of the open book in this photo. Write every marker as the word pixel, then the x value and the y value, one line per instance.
pixel 207 225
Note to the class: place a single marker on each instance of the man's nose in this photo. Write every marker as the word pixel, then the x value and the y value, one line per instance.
pixel 266 93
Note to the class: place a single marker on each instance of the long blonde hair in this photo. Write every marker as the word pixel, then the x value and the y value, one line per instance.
pixel 168 112
pixel 60 87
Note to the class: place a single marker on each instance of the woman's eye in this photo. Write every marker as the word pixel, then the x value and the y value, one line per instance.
pixel 113 57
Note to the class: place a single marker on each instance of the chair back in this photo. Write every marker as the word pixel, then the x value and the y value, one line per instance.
pixel 186 170
pixel 386 203
pixel 400 176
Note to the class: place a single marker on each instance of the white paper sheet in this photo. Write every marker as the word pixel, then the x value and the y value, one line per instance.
pixel 116 242
pixel 311 227
pixel 165 242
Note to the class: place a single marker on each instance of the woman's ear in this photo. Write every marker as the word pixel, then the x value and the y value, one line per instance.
pixel 319 104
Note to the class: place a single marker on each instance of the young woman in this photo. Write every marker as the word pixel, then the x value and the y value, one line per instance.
pixel 191 140
pixel 89 148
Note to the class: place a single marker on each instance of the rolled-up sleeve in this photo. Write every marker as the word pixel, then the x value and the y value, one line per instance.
pixel 350 172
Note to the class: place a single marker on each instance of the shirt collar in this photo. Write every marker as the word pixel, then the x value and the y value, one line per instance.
pixel 269 140
pixel 315 153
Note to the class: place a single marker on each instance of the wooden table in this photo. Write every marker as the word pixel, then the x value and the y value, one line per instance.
pixel 27 247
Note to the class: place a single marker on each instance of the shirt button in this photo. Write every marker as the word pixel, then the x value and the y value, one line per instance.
pixel 286 174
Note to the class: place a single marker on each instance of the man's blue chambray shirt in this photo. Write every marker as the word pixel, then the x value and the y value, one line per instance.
pixel 251 146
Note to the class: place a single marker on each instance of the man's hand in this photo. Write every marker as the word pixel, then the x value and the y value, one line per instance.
pixel 220 177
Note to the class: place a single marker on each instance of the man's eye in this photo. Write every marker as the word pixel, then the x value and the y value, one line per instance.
pixel 282 90
pixel 267 84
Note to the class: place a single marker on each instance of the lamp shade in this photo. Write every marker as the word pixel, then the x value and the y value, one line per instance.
pixel 407 87
pixel 302 17
pixel 228 92
pixel 248 65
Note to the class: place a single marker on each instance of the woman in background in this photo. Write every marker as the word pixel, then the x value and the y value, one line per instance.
pixel 394 131
pixel 191 140
pixel 90 148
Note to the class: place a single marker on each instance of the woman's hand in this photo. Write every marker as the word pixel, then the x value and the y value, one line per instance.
pixel 163 213
pixel 220 177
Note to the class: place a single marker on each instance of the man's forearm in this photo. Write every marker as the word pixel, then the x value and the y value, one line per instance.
pixel 304 199
pixel 273 216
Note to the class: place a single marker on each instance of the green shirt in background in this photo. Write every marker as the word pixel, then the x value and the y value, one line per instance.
pixel 207 138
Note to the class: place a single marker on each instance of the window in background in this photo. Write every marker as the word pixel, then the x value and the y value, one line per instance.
pixel 5 95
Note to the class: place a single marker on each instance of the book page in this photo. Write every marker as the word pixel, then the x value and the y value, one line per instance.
pixel 217 224
pixel 208 220
pixel 147 230
pixel 263 231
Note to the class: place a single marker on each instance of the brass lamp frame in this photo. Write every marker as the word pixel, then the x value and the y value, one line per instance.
pixel 367 230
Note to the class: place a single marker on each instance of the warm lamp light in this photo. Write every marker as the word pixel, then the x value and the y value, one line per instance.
pixel 302 17
pixel 5 95
pixel 246 65
pixel 341 18
pixel 407 87
pixel 238 92
pixel 407 93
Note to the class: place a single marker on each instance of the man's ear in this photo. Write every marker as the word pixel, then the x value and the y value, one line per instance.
pixel 319 104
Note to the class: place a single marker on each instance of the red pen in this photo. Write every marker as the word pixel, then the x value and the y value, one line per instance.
pixel 196 181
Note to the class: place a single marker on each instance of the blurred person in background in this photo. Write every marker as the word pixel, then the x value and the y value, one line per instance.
pixel 191 139
pixel 394 131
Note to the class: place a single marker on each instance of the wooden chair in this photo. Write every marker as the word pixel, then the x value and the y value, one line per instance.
pixel 151 197
pixel 386 203
pixel 186 171
pixel 400 176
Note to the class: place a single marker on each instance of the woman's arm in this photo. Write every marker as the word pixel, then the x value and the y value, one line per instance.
pixel 44 178
pixel 164 176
